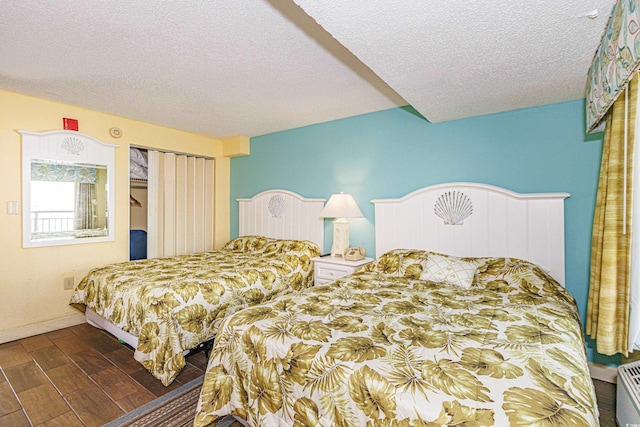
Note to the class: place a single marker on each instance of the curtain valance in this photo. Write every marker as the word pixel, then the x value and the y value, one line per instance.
pixel 63 173
pixel 615 62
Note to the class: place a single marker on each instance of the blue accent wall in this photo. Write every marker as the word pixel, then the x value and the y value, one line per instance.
pixel 393 152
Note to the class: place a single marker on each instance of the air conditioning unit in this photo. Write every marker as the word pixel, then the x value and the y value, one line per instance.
pixel 628 394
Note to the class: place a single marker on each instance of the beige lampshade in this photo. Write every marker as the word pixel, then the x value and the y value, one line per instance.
pixel 341 206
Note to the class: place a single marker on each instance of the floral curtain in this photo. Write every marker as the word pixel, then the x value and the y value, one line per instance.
pixel 608 306
pixel 41 171
pixel 615 62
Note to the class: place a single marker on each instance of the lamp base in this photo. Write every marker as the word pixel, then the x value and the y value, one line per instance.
pixel 340 237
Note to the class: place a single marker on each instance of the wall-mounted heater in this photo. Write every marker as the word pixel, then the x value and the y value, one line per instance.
pixel 628 394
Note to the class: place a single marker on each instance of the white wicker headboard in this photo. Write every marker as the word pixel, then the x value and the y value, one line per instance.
pixel 282 214
pixel 476 220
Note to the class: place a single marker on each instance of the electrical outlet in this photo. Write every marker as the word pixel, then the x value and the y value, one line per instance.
pixel 69 282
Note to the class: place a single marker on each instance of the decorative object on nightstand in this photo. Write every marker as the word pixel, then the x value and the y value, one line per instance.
pixel 354 254
pixel 327 269
pixel 341 206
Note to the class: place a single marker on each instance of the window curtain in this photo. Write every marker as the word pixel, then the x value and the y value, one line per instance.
pixel 634 293
pixel 180 213
pixel 47 171
pixel 615 62
pixel 609 294
pixel 85 207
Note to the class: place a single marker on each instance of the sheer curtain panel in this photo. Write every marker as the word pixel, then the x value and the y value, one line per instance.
pixel 180 199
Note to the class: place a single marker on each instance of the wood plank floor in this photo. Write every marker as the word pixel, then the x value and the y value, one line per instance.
pixel 82 376
pixel 77 376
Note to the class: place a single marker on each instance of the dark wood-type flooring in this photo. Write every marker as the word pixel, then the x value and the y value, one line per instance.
pixel 82 376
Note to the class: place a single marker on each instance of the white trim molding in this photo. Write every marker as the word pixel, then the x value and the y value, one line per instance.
pixel 41 328
pixel 603 372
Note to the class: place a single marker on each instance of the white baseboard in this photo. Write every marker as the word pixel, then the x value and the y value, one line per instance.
pixel 603 372
pixel 41 328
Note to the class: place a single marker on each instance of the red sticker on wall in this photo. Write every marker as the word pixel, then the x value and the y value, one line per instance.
pixel 70 124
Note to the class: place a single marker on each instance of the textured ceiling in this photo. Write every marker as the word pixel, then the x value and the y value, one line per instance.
pixel 479 58
pixel 250 67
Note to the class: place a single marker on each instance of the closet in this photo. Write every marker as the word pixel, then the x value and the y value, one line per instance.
pixel 171 203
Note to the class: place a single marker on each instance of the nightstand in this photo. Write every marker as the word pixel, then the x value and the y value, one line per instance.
pixel 328 268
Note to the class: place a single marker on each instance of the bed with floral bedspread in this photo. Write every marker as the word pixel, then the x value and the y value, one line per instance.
pixel 174 304
pixel 413 339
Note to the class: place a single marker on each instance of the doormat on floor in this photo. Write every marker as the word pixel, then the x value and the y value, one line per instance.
pixel 175 409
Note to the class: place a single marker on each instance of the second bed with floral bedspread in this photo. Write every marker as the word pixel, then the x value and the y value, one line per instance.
pixel 414 339
pixel 174 304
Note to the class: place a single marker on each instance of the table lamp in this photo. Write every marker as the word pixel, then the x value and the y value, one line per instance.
pixel 341 206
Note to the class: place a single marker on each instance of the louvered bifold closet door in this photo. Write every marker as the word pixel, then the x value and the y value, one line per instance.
pixel 181 197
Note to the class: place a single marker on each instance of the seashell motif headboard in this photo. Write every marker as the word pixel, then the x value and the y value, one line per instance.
pixel 282 214
pixel 476 220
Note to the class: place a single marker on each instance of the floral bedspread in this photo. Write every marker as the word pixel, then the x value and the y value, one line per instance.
pixel 174 304
pixel 384 347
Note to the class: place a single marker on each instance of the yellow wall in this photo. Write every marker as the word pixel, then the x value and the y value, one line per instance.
pixel 32 297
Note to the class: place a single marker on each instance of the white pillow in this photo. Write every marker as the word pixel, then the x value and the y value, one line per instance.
pixel 450 270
